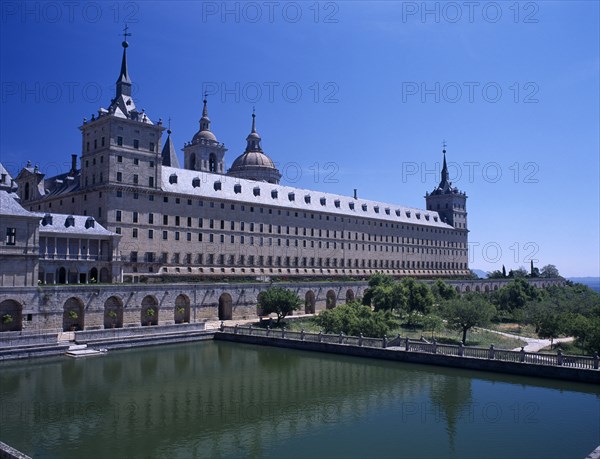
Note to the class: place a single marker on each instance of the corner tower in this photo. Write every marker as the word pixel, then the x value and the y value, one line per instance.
pixel 121 144
pixel 204 152
pixel 448 201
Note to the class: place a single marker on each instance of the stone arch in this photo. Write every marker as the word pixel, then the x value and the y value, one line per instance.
pixel 182 309
pixel 113 312
pixel 477 288
pixel 349 295
pixel 330 299
pixel 149 313
pixel 93 275
pixel 225 307
pixel 309 302
pixel 73 315
pixel 11 316
pixel 495 287
pixel 104 276
pixel 61 275
pixel 487 289
pixel 467 289
pixel 457 288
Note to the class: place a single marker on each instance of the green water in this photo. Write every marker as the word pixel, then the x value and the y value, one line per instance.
pixel 217 399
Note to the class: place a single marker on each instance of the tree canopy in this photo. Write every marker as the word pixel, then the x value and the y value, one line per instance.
pixel 278 300
pixel 355 318
pixel 467 312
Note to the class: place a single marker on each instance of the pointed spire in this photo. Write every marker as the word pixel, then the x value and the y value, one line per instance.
pixel 444 168
pixel 124 82
pixel 169 156
pixel 253 139
pixel 205 120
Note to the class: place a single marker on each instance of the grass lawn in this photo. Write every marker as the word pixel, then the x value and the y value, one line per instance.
pixel 567 348
pixel 475 336
pixel 515 329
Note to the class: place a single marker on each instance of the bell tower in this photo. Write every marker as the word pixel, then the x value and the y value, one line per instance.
pixel 448 201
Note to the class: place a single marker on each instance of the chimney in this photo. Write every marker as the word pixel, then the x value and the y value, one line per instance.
pixel 355 195
pixel 73 164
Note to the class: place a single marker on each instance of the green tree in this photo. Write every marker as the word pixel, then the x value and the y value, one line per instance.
pixel 551 326
pixel 419 296
pixel 387 297
pixel 442 291
pixel 503 271
pixel 521 272
pixel 355 318
pixel 433 323
pixel 280 301
pixel 549 271
pixel 376 280
pixel 497 274
pixel 467 312
pixel 515 295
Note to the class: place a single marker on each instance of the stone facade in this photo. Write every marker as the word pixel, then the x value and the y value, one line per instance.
pixel 202 221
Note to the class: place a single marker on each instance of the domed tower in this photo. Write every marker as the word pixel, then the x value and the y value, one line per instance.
pixel 448 201
pixel 254 164
pixel 204 152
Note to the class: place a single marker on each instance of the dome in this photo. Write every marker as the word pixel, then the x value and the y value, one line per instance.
pixel 252 159
pixel 206 135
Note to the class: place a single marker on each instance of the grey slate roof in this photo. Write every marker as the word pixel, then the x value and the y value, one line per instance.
pixel 78 226
pixel 169 155
pixel 10 207
pixel 216 186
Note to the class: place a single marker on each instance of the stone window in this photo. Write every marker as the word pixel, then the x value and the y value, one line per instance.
pixel 256 191
pixel 173 178
pixel 237 188
pixel 150 234
pixel 120 143
pixel 119 176
pixel 136 144
pixel 217 186
pixel 291 196
pixel 196 182
pixel 134 233
pixel 11 236
pixel 274 194
pixel 165 235
pixel 118 216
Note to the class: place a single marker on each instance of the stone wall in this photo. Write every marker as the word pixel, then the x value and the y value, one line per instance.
pixel 48 307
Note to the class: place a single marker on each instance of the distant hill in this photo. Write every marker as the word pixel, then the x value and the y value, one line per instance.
pixel 591 282
pixel 480 273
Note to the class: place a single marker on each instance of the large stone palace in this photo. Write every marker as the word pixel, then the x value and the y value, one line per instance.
pixel 126 209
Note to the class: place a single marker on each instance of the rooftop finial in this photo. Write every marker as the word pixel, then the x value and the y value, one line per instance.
pixel 205 109
pixel 125 35
pixel 444 146
pixel 253 119
pixel 169 129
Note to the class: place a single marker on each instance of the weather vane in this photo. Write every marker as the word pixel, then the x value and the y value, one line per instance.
pixel 444 144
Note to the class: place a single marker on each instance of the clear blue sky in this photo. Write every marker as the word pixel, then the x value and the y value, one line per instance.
pixel 512 87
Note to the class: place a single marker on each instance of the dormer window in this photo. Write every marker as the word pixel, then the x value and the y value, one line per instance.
pixel 427 217
pixel 47 220
pixel 418 215
pixel 90 222
pixel 351 205
pixel 336 203
pixel 256 191
pixel 435 219
pixel 69 221
pixel 408 213
pixel 173 178
pixel 274 194
pixel 387 210
pixel 398 212
pixel 237 188
pixel 217 185
pixel 307 199
pixel 364 207
pixel 291 196
pixel 376 209
pixel 196 182
pixel 323 201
